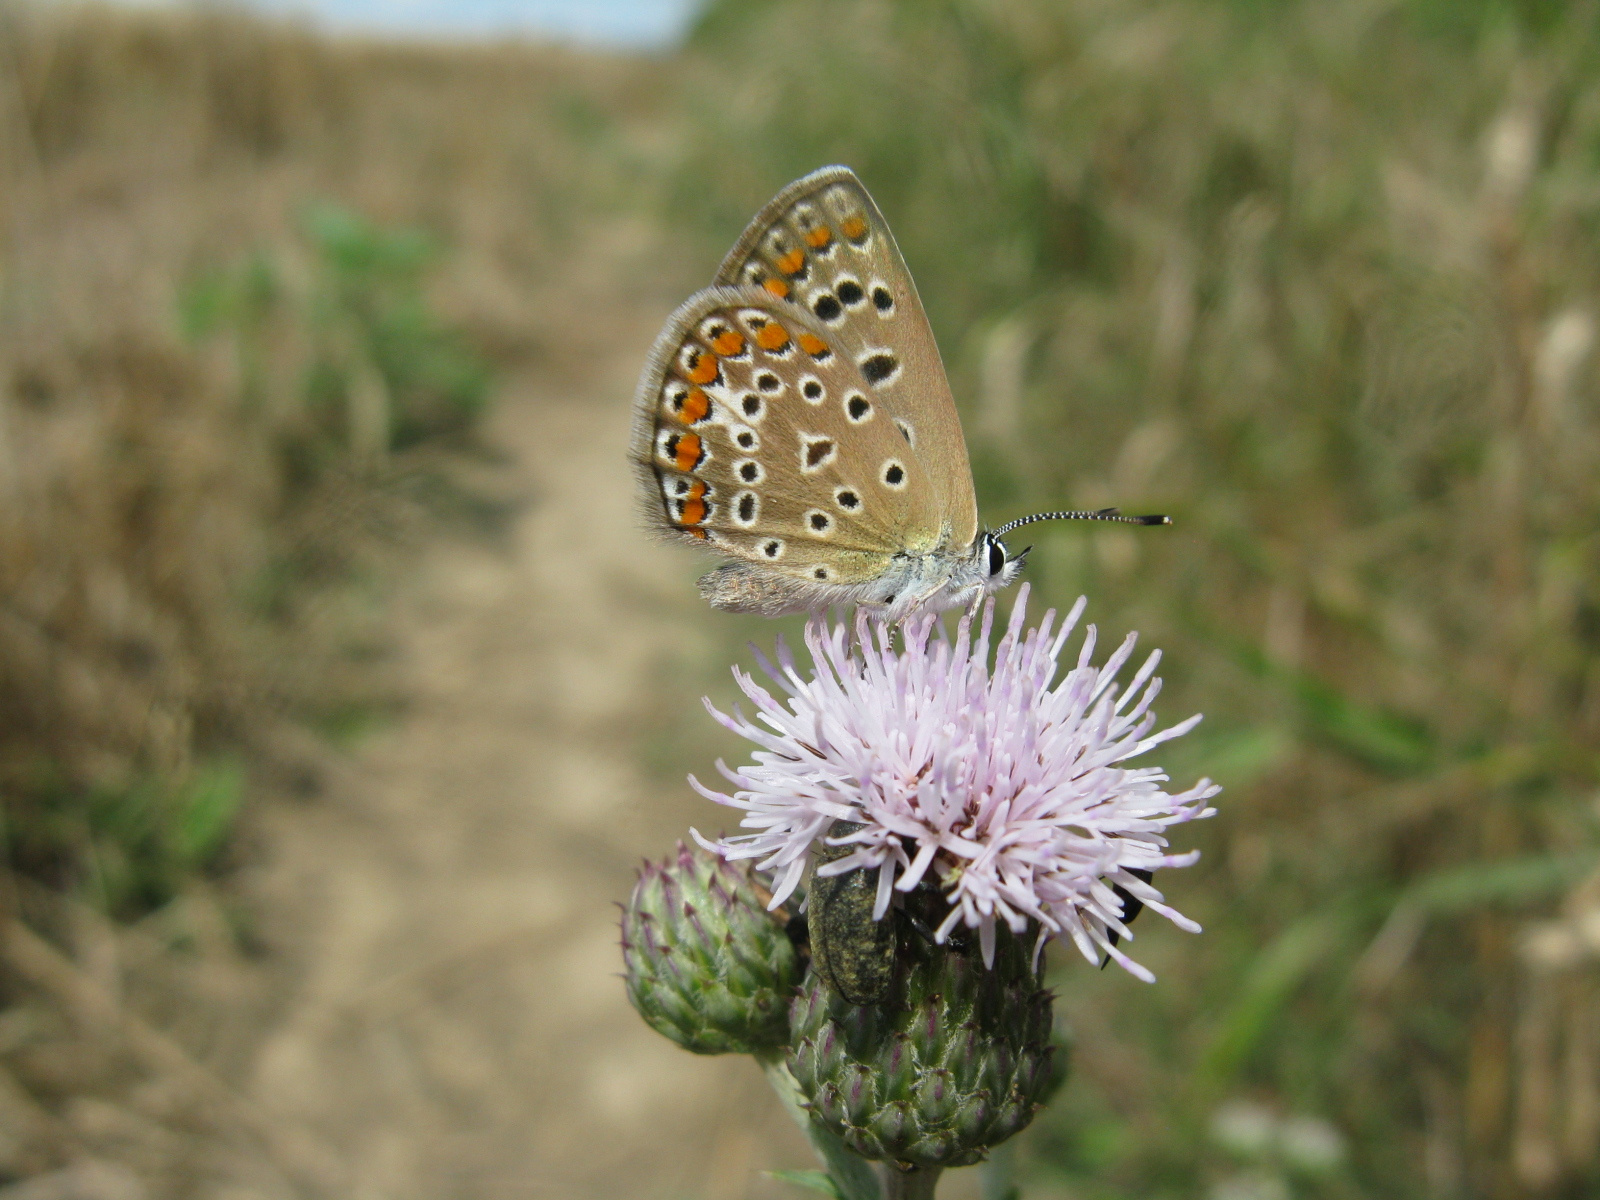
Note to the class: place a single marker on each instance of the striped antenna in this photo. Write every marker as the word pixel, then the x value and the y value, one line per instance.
pixel 1099 514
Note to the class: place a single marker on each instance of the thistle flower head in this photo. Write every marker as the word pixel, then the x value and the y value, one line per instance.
pixel 1005 785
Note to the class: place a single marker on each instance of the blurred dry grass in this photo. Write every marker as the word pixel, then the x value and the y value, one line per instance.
pixel 1320 280
pixel 254 288
pixel 177 500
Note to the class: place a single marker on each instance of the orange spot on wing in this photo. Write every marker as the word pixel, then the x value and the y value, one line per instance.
pixel 699 533
pixel 792 262
pixel 772 336
pixel 819 237
pixel 813 345
pixel 702 368
pixel 853 228
pixel 687 456
pixel 777 287
pixel 696 407
pixel 728 343
pixel 694 511
pixel 697 489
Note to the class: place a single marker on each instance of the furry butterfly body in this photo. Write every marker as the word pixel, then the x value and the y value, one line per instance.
pixel 796 418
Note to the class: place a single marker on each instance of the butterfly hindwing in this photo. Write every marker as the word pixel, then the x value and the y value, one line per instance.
pixel 823 248
pixel 758 437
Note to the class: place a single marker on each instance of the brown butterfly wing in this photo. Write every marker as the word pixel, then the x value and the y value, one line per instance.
pixel 755 435
pixel 822 247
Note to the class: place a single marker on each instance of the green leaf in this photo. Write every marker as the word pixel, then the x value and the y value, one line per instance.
pixel 354 247
pixel 814 1181
pixel 1379 737
pixel 1235 758
pixel 203 306
pixel 206 808
pixel 1512 881
pixel 1278 970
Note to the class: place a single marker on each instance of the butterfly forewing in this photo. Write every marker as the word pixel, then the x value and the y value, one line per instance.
pixel 757 435
pixel 822 247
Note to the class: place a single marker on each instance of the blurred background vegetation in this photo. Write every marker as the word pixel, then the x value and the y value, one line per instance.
pixel 1318 277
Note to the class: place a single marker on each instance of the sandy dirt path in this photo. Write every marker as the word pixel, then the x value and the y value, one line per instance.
pixel 455 1025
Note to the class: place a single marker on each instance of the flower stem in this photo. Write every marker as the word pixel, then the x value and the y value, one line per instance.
pixel 850 1173
pixel 915 1184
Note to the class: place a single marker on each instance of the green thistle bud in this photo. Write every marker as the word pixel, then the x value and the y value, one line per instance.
pixel 707 965
pixel 958 1066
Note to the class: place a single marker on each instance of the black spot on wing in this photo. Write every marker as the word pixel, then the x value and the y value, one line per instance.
pixel 880 368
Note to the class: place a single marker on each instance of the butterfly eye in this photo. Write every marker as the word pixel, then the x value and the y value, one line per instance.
pixel 997 557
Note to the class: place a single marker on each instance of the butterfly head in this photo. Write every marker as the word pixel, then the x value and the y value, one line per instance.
pixel 942 583
pixel 996 566
pixel 992 566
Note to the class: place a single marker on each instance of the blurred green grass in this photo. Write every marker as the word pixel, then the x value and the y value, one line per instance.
pixel 1319 279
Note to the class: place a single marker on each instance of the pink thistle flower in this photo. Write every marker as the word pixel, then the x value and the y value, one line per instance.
pixel 1009 792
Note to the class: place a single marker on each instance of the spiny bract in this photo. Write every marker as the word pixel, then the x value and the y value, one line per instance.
pixel 707 965
pixel 961 1062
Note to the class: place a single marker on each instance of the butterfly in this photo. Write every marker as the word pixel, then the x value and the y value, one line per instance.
pixel 795 417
